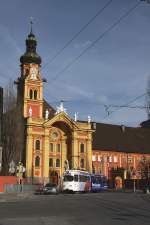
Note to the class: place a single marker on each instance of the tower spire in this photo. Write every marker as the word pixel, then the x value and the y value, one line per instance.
pixel 30 56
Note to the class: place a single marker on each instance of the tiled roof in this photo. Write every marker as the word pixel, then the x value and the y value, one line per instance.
pixel 120 138
pixel 50 109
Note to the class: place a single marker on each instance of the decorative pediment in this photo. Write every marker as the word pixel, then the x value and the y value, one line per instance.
pixel 61 117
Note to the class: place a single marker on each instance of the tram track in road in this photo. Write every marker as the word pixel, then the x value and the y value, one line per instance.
pixel 116 208
pixel 121 209
pixel 126 211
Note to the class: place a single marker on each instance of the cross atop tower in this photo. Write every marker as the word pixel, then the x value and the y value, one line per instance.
pixel 31 24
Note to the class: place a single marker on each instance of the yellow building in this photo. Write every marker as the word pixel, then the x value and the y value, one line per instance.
pixel 54 141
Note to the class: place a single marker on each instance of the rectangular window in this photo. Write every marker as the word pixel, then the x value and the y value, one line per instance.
pixel 115 159
pixel 82 148
pixel 51 147
pixel 130 159
pixel 110 158
pixel 58 147
pixel 99 158
pixel 50 162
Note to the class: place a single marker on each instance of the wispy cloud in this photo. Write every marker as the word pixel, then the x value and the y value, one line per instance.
pixel 9 40
pixel 129 117
pixel 68 90
pixel 81 45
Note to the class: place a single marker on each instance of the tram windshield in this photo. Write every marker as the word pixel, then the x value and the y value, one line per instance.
pixel 68 178
pixel 71 178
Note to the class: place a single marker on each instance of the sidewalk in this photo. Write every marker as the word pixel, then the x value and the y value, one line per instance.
pixel 10 197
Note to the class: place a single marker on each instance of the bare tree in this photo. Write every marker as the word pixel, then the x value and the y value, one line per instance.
pixel 13 130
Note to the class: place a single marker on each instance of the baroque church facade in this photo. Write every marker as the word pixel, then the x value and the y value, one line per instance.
pixel 53 141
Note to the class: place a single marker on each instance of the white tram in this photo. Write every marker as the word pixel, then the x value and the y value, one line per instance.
pixel 76 181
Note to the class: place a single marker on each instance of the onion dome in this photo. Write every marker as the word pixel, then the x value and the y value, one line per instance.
pixel 30 56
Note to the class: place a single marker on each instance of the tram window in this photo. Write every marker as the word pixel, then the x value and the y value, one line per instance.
pixel 97 180
pixel 82 178
pixel 76 178
pixel 93 180
pixel 68 178
pixel 100 180
pixel 88 178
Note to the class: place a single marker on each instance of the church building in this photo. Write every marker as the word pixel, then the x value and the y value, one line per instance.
pixel 53 140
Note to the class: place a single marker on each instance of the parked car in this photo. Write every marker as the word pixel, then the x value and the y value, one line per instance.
pixel 49 188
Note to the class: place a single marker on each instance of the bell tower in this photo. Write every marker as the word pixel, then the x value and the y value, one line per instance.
pixel 30 84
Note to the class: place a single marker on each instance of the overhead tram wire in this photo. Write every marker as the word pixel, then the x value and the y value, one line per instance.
pixel 109 106
pixel 94 42
pixel 125 105
pixel 77 34
pixel 129 107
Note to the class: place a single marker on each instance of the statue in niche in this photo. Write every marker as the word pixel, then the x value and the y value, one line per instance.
pixel 30 112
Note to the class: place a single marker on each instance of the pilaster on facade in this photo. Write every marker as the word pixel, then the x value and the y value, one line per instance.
pixel 63 154
pixel 89 152
pixel 75 153
pixel 46 155
pixel 29 156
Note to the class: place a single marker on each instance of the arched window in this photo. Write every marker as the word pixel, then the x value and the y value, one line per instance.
pixel 37 144
pixel 35 94
pixel 37 161
pixel 82 148
pixel 57 162
pixel 50 162
pixel 26 72
pixel 82 163
pixel 31 94
pixel 58 147
pixel 51 147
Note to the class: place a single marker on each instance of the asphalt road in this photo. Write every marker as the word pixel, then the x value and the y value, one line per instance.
pixel 77 209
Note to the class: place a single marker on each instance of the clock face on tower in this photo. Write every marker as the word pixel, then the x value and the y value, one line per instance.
pixel 33 72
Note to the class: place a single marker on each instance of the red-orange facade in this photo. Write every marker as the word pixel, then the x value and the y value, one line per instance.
pixel 103 161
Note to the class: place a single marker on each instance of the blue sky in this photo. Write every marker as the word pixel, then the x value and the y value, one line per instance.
pixel 113 72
